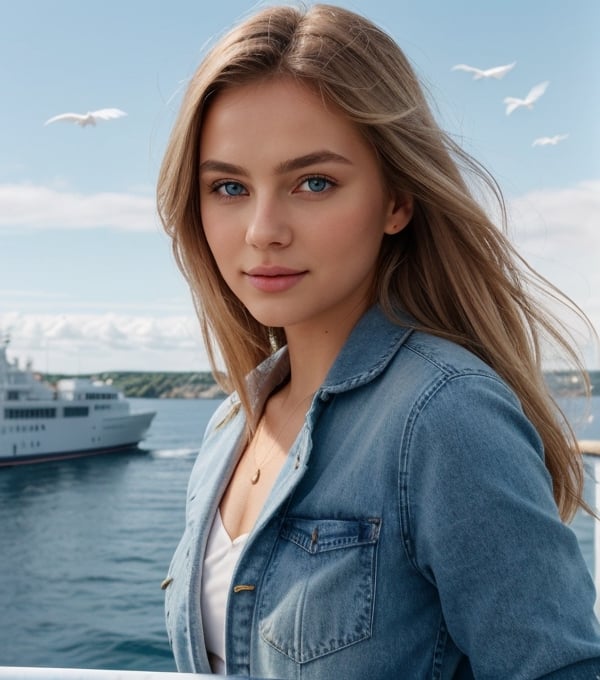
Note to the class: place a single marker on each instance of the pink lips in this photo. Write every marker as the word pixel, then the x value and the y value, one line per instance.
pixel 274 279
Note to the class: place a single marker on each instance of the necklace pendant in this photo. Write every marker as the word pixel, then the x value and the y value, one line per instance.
pixel 255 477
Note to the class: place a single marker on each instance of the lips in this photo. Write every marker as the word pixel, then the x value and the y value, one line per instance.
pixel 271 279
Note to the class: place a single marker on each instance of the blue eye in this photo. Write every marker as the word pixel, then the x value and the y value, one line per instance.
pixel 230 189
pixel 317 184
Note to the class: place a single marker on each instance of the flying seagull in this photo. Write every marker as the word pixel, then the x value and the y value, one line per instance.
pixel 89 118
pixel 533 95
pixel 546 141
pixel 495 72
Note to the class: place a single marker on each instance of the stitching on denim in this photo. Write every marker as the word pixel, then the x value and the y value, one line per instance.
pixel 386 356
pixel 447 368
pixel 418 408
pixel 302 651
pixel 439 650
pixel 403 481
pixel 366 532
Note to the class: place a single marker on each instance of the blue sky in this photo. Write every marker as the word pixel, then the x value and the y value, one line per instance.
pixel 87 280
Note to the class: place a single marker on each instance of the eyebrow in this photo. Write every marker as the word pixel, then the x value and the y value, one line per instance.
pixel 286 166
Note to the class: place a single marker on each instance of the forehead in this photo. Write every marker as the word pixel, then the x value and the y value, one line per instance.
pixel 278 115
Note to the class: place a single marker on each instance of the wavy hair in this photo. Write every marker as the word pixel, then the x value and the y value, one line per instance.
pixel 452 269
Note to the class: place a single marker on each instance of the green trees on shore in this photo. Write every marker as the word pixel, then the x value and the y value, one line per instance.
pixel 155 385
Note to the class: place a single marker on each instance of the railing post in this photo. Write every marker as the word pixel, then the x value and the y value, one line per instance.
pixel 597 535
pixel 591 448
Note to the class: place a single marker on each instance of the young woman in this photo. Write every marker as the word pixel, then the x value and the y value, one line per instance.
pixel 382 495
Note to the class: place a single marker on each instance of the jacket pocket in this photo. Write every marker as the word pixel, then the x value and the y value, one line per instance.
pixel 319 587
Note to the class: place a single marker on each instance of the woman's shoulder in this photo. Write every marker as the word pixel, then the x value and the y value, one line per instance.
pixel 426 364
pixel 445 357
pixel 435 380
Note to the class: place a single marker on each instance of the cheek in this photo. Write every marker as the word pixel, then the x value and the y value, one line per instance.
pixel 216 246
pixel 222 255
pixel 215 237
pixel 355 230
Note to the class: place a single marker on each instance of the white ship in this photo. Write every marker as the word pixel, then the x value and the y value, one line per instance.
pixel 78 418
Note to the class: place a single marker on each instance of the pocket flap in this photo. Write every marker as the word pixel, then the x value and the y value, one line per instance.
pixel 320 535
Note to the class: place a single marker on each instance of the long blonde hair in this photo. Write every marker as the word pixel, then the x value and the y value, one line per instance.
pixel 452 269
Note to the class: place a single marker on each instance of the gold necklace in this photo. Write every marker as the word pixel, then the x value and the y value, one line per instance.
pixel 272 451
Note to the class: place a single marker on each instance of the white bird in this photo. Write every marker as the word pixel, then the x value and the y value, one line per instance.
pixel 89 118
pixel 533 95
pixel 545 141
pixel 495 72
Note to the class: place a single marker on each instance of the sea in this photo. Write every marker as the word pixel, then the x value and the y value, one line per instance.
pixel 85 544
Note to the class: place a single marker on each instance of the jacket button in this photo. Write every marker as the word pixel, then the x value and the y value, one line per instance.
pixel 243 587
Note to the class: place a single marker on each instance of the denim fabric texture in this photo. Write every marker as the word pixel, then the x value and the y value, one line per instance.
pixel 411 533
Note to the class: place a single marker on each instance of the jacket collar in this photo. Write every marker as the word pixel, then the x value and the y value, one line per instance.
pixel 372 344
pixel 370 347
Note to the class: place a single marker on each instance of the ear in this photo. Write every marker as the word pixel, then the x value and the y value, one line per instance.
pixel 400 214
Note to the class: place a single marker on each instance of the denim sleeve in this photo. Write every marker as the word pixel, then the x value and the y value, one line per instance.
pixel 484 529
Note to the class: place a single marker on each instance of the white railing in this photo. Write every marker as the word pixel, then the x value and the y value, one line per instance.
pixel 24 673
pixel 592 448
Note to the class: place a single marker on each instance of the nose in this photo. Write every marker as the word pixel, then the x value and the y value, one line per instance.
pixel 268 226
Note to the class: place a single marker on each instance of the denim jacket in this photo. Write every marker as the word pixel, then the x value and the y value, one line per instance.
pixel 412 532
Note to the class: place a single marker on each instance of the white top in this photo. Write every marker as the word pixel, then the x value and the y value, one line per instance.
pixel 220 559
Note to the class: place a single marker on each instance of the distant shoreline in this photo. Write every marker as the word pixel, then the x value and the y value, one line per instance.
pixel 154 384
pixel 202 385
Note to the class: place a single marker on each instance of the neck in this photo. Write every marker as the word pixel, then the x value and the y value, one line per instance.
pixel 312 352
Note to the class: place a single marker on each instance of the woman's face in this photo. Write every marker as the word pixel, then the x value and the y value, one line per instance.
pixel 293 205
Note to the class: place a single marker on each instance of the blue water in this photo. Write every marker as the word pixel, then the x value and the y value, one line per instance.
pixel 85 544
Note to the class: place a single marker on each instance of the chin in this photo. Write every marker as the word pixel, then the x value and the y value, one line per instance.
pixel 274 318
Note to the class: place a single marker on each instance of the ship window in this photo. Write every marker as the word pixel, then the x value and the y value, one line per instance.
pixel 101 395
pixel 12 395
pixel 76 411
pixel 20 413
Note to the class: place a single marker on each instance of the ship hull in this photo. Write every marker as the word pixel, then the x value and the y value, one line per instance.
pixel 47 440
pixel 78 417
pixel 48 457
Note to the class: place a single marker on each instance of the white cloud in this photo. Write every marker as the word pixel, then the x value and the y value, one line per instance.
pixel 41 207
pixel 558 233
pixel 83 343
pixel 552 218
pixel 36 301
